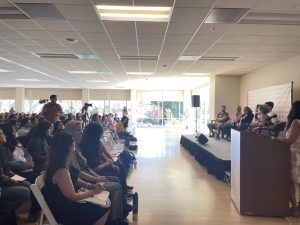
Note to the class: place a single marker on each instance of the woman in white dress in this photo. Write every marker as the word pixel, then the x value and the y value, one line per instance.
pixel 293 138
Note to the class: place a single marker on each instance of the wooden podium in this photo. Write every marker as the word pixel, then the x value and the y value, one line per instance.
pixel 260 175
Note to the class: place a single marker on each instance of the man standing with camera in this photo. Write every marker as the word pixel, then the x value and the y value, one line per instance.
pixel 52 110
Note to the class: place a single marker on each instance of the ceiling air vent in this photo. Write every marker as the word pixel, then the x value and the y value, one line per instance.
pixel 219 58
pixel 56 56
pixel 40 11
pixel 271 18
pixel 139 57
pixel 226 15
pixel 11 13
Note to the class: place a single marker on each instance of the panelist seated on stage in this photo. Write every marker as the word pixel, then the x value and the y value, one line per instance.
pixel 272 115
pixel 263 118
pixel 231 123
pixel 246 119
pixel 221 118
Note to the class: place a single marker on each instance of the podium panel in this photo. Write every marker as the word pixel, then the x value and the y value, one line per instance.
pixel 260 175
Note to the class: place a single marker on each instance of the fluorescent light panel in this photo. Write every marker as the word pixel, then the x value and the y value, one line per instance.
pixel 134 13
pixel 83 72
pixel 32 80
pixel 97 81
pixel 189 57
pixel 196 74
pixel 139 73
pixel 4 71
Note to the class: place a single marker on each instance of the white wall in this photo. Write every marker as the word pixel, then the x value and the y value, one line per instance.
pixel 278 73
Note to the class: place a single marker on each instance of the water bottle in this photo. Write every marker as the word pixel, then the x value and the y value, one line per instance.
pixel 135 200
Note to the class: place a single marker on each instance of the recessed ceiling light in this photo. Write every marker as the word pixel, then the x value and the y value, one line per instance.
pixel 196 74
pixel 134 13
pixel 97 81
pixel 139 73
pixel 83 72
pixel 72 40
pixel 189 57
pixel 33 80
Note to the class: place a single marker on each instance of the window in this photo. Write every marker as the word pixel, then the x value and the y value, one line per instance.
pixel 159 108
pixel 7 104
pixel 98 107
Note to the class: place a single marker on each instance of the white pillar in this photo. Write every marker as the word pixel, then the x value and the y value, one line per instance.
pixel 85 96
pixel 188 110
pixel 20 99
pixel 212 97
pixel 133 99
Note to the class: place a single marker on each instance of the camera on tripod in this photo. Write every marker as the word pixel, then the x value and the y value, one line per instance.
pixel 86 106
pixel 43 101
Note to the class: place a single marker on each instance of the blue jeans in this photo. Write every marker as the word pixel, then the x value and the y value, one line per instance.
pixel 17 195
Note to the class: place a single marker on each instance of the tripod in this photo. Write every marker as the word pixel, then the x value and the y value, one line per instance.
pixel 85 117
pixel 196 131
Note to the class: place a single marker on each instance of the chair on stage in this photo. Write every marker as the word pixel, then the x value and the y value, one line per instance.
pixel 277 128
pixel 46 213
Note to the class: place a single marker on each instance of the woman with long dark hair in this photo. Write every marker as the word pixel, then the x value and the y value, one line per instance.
pixel 60 183
pixel 293 138
pixel 38 146
pixel 91 149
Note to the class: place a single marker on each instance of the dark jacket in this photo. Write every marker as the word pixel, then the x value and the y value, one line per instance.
pixel 38 149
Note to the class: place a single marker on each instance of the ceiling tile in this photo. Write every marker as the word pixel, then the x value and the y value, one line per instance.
pixel 189 15
pixel 152 28
pixel 236 3
pixel 55 25
pixel 78 12
pixel 119 27
pixel 22 24
pixel 195 3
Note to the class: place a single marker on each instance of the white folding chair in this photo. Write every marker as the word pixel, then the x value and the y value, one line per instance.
pixel 46 213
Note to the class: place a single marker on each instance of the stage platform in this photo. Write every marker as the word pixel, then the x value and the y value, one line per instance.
pixel 214 155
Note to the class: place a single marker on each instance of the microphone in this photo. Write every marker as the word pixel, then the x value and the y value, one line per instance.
pixel 272 117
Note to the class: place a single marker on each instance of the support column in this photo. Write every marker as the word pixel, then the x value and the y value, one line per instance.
pixel 85 96
pixel 133 99
pixel 20 99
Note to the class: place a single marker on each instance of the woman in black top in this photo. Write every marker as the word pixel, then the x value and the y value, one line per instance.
pixel 38 146
pixel 60 185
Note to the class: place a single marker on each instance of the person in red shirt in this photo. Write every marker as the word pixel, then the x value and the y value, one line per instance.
pixel 52 110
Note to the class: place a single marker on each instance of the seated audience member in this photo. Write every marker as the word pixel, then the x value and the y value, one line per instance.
pixel 25 127
pixel 221 118
pixel 20 159
pixel 256 114
pixel 246 118
pixel 38 146
pixel 59 190
pixel 231 123
pixel 91 148
pixel 16 192
pixel 95 118
pixel 87 176
pixel 15 124
pixel 79 116
pixel 104 122
pixel 111 122
pixel 58 127
pixel 116 118
pixel 271 114
pixel 123 134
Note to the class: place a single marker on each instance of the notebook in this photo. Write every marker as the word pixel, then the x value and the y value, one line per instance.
pixel 98 199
